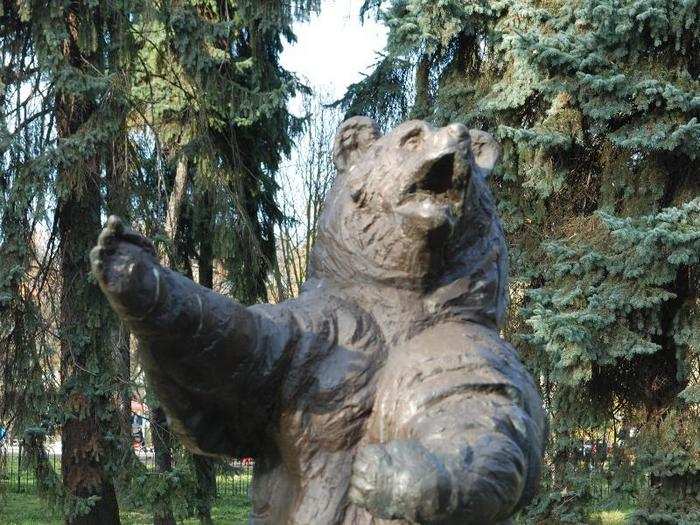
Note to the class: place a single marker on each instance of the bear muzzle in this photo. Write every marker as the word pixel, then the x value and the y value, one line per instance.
pixel 435 194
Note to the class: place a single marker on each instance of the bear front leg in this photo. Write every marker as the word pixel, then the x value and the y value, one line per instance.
pixel 400 479
pixel 477 481
pixel 457 433
pixel 162 306
pixel 206 356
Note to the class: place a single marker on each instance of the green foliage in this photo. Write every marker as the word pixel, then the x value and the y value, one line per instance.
pixel 607 300
pixel 383 96
pixel 211 89
pixel 596 106
pixel 99 104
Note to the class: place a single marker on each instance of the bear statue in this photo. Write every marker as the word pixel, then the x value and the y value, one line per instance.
pixel 383 393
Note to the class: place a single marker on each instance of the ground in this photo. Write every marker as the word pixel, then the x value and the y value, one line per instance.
pixel 29 509
pixel 611 517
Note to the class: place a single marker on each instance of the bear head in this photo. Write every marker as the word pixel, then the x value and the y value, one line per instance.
pixel 412 209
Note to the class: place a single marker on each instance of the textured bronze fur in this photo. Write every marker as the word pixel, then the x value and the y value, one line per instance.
pixel 383 393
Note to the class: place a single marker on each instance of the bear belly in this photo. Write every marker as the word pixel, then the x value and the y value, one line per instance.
pixel 308 482
pixel 318 432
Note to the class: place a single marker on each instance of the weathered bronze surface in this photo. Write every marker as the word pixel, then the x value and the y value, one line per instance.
pixel 383 393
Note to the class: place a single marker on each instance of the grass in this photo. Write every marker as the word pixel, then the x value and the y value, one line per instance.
pixel 29 509
pixel 611 517
pixel 25 509
pixel 614 516
pixel 19 505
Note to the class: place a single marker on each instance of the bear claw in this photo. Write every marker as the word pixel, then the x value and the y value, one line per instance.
pixel 124 263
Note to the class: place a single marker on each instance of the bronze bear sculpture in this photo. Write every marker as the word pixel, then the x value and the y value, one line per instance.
pixel 383 394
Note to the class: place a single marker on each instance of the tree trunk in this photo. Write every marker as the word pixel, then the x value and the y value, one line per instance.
pixel 204 467
pixel 82 310
pixel 46 478
pixel 162 446
pixel 162 438
pixel 118 204
pixel 206 487
pixel 422 101
pixel 82 345
pixel 122 346
pixel 172 218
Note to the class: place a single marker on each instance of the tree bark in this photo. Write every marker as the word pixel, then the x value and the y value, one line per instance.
pixel 175 200
pixel 162 438
pixel 204 467
pixel 206 487
pixel 204 231
pixel 118 204
pixel 82 308
pixel 422 101
pixel 162 447
pixel 82 343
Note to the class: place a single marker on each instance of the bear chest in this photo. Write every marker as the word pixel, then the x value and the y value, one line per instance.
pixel 330 393
pixel 332 414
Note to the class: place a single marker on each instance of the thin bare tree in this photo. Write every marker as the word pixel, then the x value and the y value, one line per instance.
pixel 304 181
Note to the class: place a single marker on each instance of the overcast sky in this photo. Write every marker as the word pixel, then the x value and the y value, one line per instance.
pixel 333 49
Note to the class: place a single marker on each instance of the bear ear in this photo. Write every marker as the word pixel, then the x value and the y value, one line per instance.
pixel 485 149
pixel 354 137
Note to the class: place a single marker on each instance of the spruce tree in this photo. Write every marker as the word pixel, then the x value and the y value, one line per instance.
pixel 75 56
pixel 229 56
pixel 22 401
pixel 122 95
pixel 221 125
pixel 596 106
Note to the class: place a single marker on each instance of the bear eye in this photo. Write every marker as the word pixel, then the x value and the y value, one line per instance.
pixel 412 140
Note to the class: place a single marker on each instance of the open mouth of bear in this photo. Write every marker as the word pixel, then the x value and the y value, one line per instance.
pixel 443 180
pixel 439 179
pixel 439 190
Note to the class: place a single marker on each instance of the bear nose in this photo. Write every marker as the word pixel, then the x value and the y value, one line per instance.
pixel 451 137
pixel 458 131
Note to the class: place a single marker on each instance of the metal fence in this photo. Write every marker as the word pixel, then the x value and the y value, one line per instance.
pixel 233 477
pixel 16 474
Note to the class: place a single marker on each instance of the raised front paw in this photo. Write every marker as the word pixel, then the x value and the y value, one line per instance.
pixel 126 267
pixel 400 480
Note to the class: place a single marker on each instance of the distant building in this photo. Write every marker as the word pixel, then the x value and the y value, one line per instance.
pixel 139 424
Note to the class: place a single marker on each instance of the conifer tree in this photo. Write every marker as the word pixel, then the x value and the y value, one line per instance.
pixel 220 118
pixel 596 106
pixel 76 51
pixel 122 94
pixel 19 355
